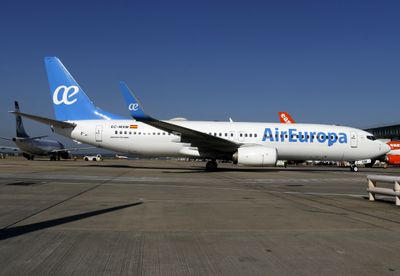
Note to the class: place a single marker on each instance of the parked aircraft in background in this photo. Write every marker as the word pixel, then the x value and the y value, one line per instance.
pixel 285 118
pixel 250 144
pixel 36 146
pixel 121 156
pixel 9 150
pixel 393 156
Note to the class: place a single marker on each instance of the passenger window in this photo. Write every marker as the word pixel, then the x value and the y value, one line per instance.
pixel 116 132
pixel 120 132
pixel 255 135
pixel 251 135
pixel 231 134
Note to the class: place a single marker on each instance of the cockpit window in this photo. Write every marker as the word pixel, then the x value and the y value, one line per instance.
pixel 370 137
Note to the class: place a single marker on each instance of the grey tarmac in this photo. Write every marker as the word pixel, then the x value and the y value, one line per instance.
pixel 165 217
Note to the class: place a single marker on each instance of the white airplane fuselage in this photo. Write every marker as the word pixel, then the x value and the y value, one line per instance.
pixel 292 142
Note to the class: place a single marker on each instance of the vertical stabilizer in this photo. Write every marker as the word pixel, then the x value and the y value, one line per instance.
pixel 70 102
pixel 19 125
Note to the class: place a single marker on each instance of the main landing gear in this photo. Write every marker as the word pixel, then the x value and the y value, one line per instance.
pixel 353 168
pixel 28 156
pixel 211 166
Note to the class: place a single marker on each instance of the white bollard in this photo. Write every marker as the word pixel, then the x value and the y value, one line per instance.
pixel 373 189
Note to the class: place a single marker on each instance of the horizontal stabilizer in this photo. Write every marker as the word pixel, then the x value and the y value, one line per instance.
pixel 45 120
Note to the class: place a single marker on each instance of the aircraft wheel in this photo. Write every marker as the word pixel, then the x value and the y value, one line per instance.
pixel 353 168
pixel 211 166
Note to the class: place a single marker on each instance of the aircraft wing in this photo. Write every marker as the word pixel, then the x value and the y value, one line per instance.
pixel 71 149
pixel 203 141
pixel 44 120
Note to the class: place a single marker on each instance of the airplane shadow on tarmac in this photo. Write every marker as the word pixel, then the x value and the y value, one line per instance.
pixel 201 169
pixel 7 233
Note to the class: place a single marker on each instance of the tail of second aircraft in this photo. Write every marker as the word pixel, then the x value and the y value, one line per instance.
pixel 19 125
pixel 70 102
pixel 285 118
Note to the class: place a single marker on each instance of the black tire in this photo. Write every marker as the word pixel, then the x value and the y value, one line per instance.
pixel 211 166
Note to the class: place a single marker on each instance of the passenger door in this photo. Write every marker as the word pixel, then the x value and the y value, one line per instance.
pixel 353 139
pixel 99 133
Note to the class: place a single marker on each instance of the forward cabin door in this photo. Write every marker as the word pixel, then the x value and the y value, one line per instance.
pixel 99 133
pixel 353 139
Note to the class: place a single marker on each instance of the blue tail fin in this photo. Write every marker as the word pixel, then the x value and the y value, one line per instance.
pixel 69 100
pixel 19 125
pixel 133 105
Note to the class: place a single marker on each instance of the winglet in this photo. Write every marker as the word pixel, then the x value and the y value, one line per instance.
pixel 285 118
pixel 133 105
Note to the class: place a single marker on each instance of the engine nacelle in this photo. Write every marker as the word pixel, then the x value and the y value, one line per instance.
pixel 65 155
pixel 259 156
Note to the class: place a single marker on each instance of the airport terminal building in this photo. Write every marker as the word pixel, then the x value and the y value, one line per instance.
pixel 391 132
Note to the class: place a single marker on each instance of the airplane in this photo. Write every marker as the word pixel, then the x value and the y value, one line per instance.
pixel 36 146
pixel 285 118
pixel 5 151
pixel 121 156
pixel 391 158
pixel 243 143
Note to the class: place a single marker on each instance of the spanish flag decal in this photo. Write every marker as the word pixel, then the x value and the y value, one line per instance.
pixel 133 126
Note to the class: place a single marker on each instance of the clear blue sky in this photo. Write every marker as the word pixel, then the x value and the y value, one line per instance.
pixel 335 62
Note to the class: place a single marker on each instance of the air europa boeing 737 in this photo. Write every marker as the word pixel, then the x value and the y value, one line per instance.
pixel 244 143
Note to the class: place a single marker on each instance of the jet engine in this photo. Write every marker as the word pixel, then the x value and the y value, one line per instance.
pixel 256 156
pixel 65 155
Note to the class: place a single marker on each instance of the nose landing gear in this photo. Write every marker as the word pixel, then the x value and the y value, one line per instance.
pixel 211 166
pixel 353 168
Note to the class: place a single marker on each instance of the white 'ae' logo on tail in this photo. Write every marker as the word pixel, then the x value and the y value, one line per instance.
pixel 133 107
pixel 68 92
